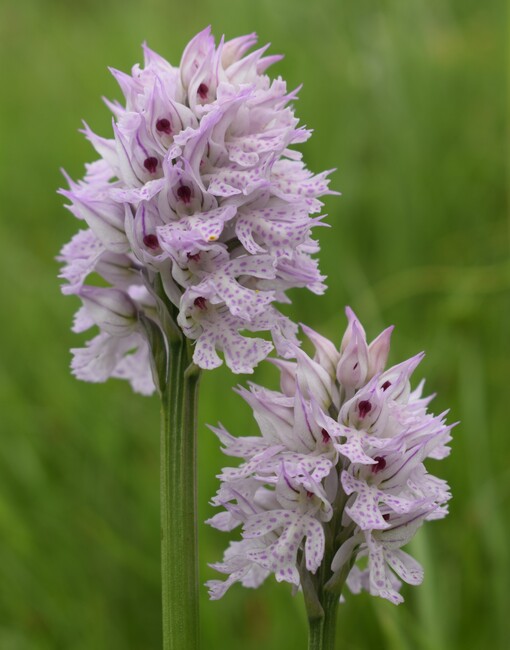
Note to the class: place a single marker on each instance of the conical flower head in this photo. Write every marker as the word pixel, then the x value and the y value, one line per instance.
pixel 340 461
pixel 200 186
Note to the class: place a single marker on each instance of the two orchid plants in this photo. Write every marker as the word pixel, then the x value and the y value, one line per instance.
pixel 198 217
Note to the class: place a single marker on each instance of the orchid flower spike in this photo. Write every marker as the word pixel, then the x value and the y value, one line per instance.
pixel 337 472
pixel 199 200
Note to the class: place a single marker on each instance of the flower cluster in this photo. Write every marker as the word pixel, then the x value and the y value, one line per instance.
pixel 337 473
pixel 200 187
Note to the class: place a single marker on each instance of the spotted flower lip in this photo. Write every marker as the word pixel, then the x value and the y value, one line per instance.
pixel 339 461
pixel 200 184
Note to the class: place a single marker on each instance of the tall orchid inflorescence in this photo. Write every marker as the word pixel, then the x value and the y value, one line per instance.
pixel 197 200
pixel 337 474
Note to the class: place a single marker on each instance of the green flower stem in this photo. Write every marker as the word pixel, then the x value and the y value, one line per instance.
pixel 322 590
pixel 322 629
pixel 179 549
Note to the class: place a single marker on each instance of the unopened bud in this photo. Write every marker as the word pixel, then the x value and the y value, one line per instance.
pixel 352 368
pixel 378 352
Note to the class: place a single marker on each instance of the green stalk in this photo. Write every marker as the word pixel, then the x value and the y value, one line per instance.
pixel 322 594
pixel 322 629
pixel 179 549
pixel 322 590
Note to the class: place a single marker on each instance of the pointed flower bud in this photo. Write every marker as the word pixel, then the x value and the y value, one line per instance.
pixel 326 354
pixel 352 368
pixel 378 352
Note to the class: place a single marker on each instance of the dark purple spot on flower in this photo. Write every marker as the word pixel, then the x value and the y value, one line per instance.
pixel 200 302
pixel 325 436
pixel 151 241
pixel 202 91
pixel 184 193
pixel 386 385
pixel 386 517
pixel 163 126
pixel 193 256
pixel 151 164
pixel 355 366
pixel 379 465
pixel 364 408
pixel 309 494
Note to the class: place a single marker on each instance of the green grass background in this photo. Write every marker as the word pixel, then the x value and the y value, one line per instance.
pixel 407 99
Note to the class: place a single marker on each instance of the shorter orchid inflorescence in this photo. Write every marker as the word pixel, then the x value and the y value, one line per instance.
pixel 337 474
pixel 199 188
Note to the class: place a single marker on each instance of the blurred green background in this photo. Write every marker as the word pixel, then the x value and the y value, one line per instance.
pixel 407 100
